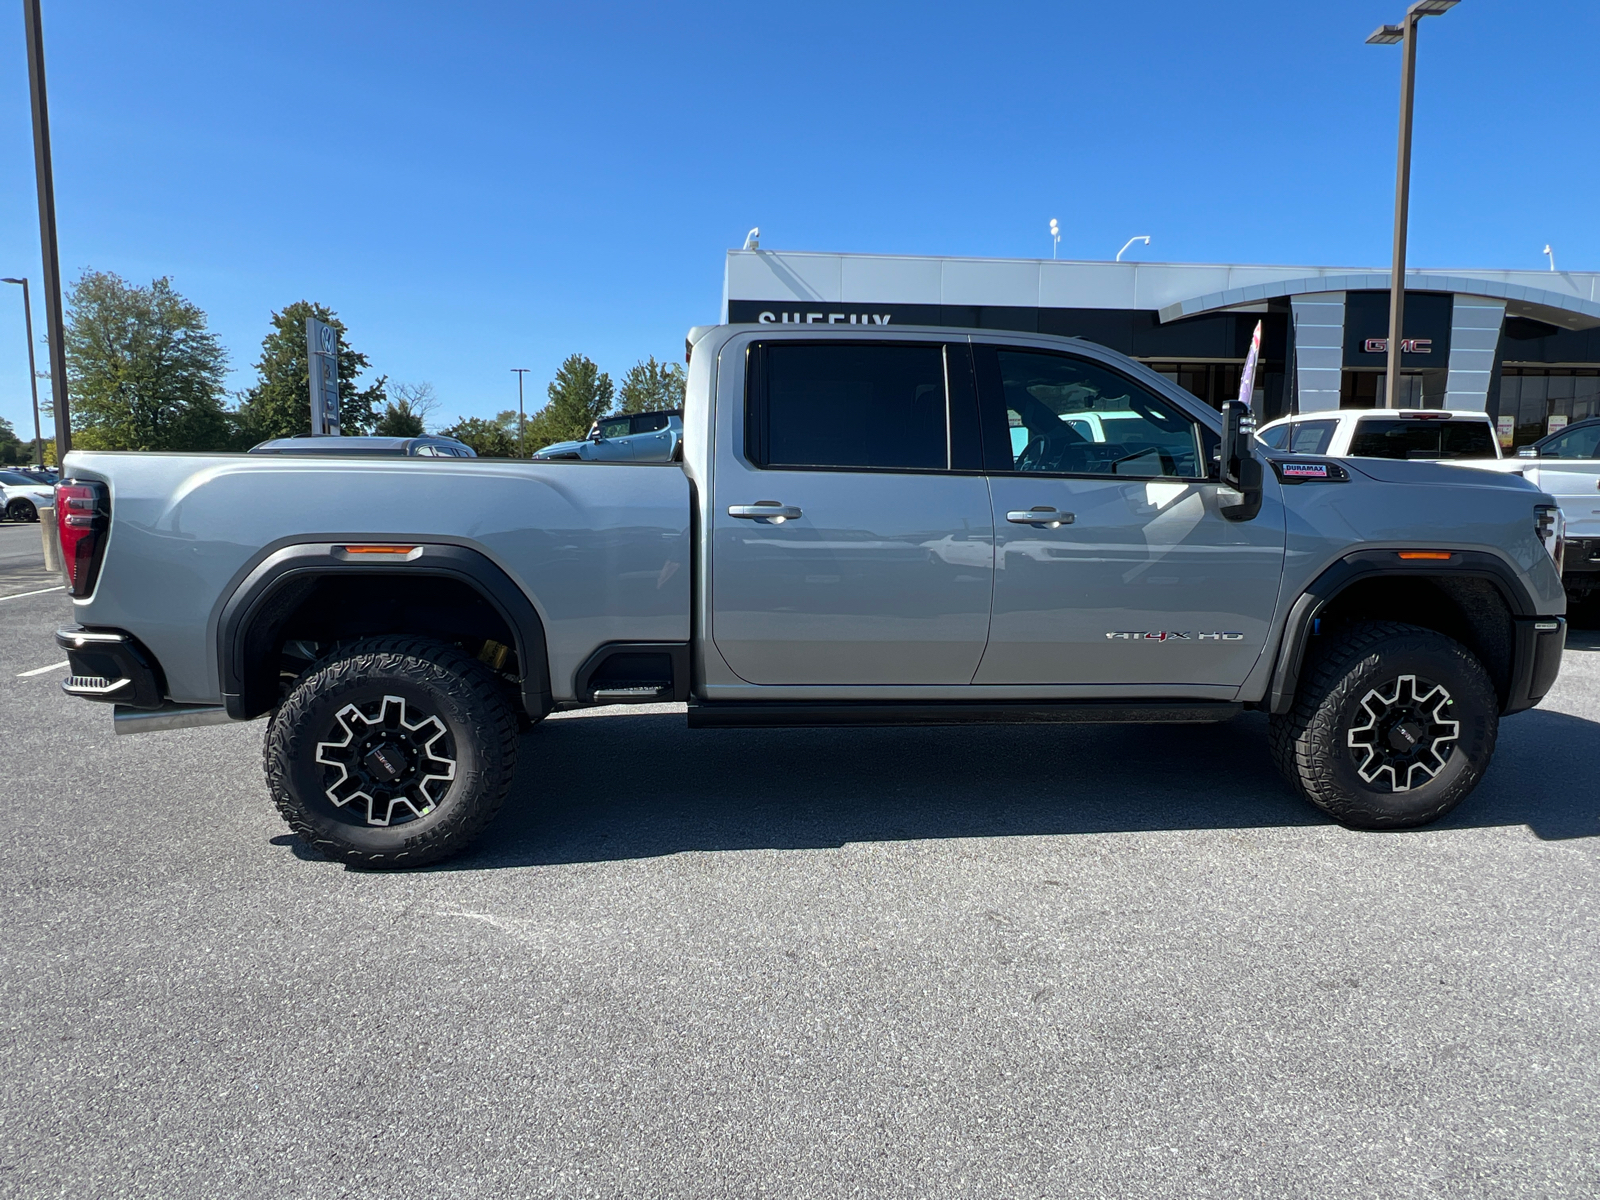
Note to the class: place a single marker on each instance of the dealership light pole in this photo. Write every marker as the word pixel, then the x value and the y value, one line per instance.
pixel 1388 35
pixel 33 376
pixel 522 421
pixel 1131 241
pixel 47 231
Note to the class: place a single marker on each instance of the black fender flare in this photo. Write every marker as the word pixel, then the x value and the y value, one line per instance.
pixel 272 578
pixel 1366 564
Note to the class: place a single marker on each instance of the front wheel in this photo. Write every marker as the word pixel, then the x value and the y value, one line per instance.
pixel 395 752
pixel 21 510
pixel 1392 727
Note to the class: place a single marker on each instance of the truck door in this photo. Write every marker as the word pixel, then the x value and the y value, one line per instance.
pixel 852 541
pixel 1113 564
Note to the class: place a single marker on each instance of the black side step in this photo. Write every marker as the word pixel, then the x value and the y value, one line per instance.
pixel 747 714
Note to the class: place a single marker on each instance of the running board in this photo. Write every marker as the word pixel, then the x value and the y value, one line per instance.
pixel 749 714
pixel 125 719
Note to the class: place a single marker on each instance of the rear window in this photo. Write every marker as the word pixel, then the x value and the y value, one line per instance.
pixel 849 405
pixel 649 422
pixel 1446 438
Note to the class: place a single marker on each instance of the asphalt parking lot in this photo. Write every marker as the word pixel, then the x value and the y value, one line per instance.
pixel 987 962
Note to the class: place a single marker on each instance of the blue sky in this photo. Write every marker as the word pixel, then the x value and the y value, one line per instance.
pixel 487 186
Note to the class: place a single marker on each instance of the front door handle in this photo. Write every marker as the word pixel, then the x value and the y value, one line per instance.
pixel 1040 517
pixel 765 510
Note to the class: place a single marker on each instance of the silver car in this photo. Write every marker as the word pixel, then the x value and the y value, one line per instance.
pixel 627 437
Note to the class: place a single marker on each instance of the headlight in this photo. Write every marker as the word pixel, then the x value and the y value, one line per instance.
pixel 1551 527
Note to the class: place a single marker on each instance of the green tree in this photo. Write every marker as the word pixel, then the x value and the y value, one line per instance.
pixel 652 387
pixel 279 405
pixel 489 439
pixel 144 371
pixel 580 393
pixel 12 448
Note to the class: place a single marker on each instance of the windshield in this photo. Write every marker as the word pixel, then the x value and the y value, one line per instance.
pixel 1391 437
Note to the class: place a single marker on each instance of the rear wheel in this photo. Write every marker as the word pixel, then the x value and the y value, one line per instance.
pixel 1392 727
pixel 394 752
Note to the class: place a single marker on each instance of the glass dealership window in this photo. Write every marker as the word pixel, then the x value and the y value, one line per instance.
pixel 1541 399
pixel 1212 382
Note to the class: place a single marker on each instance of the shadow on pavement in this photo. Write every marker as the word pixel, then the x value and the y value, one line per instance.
pixel 623 787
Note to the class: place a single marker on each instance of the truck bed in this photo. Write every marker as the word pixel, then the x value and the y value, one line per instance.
pixel 601 549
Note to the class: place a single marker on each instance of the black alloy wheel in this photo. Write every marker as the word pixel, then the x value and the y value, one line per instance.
pixel 21 510
pixel 392 752
pixel 1392 726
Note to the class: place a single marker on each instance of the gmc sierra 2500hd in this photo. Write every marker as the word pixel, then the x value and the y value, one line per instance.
pixel 872 525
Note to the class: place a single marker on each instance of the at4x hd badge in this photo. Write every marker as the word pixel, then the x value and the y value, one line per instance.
pixel 1171 635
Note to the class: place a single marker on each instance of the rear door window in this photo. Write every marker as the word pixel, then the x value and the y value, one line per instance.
pixel 649 422
pixel 852 405
pixel 1276 437
pixel 1311 437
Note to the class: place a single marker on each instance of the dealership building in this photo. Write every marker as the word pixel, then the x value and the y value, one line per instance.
pixel 1523 346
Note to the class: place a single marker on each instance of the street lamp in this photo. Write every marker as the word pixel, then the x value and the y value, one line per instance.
pixel 1131 241
pixel 1551 255
pixel 1055 236
pixel 522 422
pixel 33 376
pixel 44 177
pixel 1388 35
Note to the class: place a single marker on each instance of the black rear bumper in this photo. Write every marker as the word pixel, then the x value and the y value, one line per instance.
pixel 111 666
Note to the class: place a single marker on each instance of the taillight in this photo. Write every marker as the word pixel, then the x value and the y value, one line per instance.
pixel 1551 527
pixel 83 515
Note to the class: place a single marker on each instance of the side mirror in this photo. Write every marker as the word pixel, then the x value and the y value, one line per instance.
pixel 1237 467
pixel 1527 452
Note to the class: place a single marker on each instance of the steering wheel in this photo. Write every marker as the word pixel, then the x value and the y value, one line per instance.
pixel 1032 456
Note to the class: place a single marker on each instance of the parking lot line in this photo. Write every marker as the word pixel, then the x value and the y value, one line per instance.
pixel 40 592
pixel 41 670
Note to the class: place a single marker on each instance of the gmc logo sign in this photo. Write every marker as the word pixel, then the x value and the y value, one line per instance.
pixel 1407 345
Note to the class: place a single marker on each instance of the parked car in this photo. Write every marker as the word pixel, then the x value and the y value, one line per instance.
pixel 1415 433
pixel 1579 440
pixel 629 437
pixel 428 446
pixel 1566 464
pixel 852 538
pixel 21 497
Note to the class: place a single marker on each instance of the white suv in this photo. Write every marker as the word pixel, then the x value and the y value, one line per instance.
pixel 1436 433
pixel 21 498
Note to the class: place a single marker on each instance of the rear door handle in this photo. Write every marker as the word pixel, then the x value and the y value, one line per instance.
pixel 1040 517
pixel 765 510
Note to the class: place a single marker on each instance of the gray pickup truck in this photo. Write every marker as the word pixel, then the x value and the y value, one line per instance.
pixel 868 526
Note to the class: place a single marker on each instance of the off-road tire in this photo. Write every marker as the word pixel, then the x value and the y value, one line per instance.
pixel 1311 743
pixel 434 680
